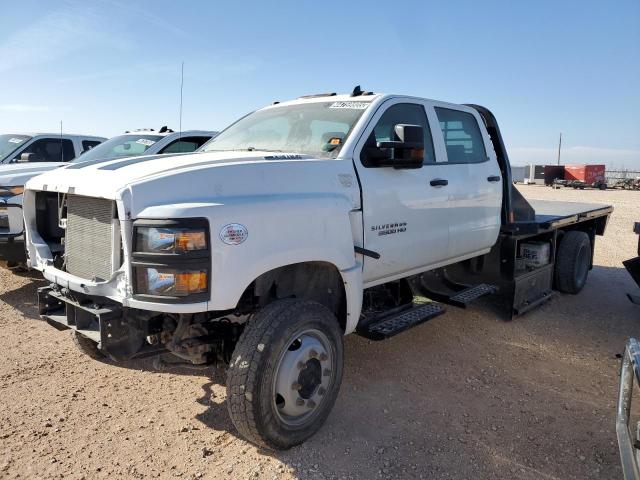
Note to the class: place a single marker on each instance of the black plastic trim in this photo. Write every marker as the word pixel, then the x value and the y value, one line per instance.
pixel 366 252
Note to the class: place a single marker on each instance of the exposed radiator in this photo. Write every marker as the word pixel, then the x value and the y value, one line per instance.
pixel 89 237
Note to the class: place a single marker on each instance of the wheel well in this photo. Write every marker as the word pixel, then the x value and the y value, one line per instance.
pixel 316 281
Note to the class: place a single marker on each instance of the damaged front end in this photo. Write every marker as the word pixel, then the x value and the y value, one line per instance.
pixel 123 333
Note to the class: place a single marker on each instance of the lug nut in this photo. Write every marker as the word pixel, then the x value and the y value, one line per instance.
pixel 299 402
pixel 296 386
pixel 313 353
pixel 302 365
pixel 311 404
pixel 324 357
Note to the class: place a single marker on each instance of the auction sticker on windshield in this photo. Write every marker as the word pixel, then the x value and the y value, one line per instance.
pixel 352 105
pixel 144 141
pixel 16 140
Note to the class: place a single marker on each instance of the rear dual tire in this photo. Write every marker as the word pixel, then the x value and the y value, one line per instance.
pixel 285 373
pixel 573 261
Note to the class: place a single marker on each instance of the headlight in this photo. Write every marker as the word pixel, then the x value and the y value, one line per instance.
pixel 170 240
pixel 171 259
pixel 11 191
pixel 170 282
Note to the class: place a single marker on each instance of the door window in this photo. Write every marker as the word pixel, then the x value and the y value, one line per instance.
pixel 185 145
pixel 400 113
pixel 89 144
pixel 50 150
pixel 461 136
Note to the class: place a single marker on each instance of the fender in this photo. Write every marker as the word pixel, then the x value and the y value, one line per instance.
pixel 281 230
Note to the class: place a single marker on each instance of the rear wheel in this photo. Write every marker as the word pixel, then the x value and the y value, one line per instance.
pixel 285 373
pixel 573 260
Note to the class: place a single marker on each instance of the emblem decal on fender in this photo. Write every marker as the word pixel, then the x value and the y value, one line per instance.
pixel 234 234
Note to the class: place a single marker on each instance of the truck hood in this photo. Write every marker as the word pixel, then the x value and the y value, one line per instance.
pixel 16 174
pixel 143 182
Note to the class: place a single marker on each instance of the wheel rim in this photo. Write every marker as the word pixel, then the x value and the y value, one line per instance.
pixel 583 266
pixel 304 373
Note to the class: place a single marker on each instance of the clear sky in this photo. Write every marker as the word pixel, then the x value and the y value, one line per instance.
pixel 543 67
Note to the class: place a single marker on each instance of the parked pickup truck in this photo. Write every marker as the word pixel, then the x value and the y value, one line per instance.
pixel 23 156
pixel 302 222
pixel 14 176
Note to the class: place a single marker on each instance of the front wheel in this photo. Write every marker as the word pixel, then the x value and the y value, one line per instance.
pixel 285 373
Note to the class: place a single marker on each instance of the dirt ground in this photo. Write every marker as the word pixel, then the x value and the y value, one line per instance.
pixel 466 395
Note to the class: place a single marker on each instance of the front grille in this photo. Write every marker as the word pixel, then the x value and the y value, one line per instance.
pixel 89 237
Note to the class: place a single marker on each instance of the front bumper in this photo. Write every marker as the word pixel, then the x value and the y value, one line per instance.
pixel 117 334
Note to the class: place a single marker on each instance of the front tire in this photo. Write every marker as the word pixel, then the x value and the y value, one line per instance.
pixel 285 373
pixel 573 260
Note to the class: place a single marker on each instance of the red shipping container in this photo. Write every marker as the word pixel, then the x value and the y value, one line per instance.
pixel 588 174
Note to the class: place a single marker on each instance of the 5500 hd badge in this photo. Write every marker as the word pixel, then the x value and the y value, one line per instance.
pixel 389 228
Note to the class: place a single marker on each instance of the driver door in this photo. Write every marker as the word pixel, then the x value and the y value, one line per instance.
pixel 404 210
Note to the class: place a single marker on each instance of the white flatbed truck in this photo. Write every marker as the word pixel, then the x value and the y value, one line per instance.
pixel 300 223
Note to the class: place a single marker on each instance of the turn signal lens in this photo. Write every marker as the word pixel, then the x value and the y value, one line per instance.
pixel 193 240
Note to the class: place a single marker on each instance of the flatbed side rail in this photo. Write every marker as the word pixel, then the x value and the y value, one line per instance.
pixel 629 453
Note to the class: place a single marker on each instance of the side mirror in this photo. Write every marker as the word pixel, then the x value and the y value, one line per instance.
pixel 26 158
pixel 405 152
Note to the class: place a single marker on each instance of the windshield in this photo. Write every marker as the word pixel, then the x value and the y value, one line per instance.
pixel 312 128
pixel 9 144
pixel 118 147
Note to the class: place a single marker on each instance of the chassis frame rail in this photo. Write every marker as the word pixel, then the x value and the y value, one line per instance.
pixel 629 452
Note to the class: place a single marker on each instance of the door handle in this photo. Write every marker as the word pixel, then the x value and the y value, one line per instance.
pixel 439 182
pixel 493 178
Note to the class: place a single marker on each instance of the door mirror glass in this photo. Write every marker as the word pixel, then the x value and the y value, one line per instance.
pixel 406 150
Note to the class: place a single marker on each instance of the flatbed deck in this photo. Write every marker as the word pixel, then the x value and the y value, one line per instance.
pixel 552 214
pixel 547 215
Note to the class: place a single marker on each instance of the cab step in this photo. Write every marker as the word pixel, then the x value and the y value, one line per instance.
pixel 468 295
pixel 384 326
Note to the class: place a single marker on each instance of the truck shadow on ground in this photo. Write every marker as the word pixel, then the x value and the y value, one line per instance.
pixel 16 298
pixel 510 398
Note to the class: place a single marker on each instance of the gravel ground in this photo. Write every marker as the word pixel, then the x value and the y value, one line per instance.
pixel 464 396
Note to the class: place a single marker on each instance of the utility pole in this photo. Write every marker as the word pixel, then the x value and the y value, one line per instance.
pixel 559 147
pixel 181 88
pixel 61 145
